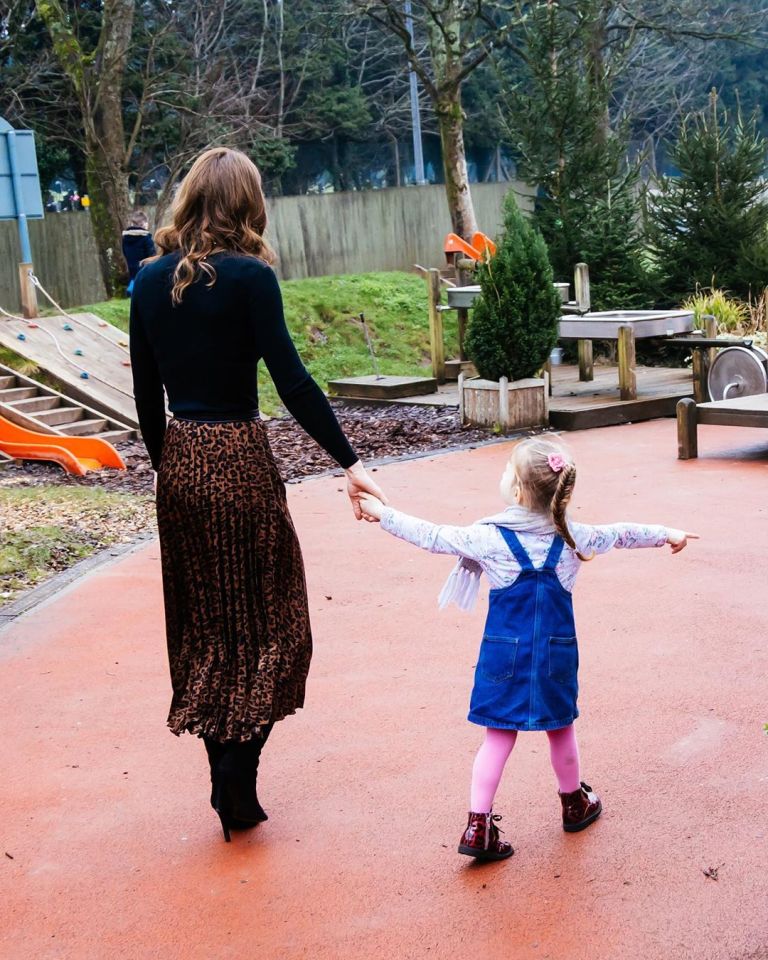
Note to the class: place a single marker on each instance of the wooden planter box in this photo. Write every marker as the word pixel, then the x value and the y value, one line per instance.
pixel 515 405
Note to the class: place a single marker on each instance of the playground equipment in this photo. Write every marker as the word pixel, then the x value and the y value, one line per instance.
pixel 738 371
pixel 77 455
pixel 87 357
pixel 480 247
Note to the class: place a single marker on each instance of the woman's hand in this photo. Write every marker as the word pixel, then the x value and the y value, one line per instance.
pixel 359 483
pixel 678 539
pixel 372 507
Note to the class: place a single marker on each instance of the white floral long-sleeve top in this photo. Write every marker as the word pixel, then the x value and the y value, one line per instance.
pixel 483 543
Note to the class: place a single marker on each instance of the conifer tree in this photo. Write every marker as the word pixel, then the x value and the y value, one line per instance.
pixel 513 326
pixel 709 225
pixel 558 125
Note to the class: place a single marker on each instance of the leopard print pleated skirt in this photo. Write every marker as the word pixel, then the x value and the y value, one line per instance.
pixel 237 620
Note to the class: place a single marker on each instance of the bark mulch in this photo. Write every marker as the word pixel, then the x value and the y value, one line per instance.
pixel 375 432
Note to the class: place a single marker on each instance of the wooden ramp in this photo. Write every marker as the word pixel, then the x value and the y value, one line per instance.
pixel 87 357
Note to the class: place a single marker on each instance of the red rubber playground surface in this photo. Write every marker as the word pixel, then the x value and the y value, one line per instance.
pixel 111 849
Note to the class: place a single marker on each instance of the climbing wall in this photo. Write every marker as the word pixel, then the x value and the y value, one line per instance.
pixel 86 355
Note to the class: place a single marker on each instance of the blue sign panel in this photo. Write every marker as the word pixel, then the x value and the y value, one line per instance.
pixel 18 161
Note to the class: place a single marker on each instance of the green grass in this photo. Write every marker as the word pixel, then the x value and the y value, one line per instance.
pixel 321 315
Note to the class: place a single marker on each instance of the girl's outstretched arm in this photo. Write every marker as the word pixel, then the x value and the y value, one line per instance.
pixel 478 542
pixel 627 536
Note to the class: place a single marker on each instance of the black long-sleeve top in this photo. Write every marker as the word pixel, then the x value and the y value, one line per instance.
pixel 205 352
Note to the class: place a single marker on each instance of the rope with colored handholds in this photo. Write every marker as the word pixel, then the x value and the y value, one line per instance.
pixel 36 282
pixel 84 374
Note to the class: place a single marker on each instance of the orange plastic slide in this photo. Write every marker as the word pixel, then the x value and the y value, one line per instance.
pixel 76 455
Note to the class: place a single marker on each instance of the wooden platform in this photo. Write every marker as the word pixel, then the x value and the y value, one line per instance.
pixel 382 387
pixel 109 386
pixel 580 406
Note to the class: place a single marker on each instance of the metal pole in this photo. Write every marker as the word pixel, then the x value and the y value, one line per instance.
pixel 418 155
pixel 21 217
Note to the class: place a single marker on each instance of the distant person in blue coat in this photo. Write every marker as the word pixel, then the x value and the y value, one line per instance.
pixel 137 245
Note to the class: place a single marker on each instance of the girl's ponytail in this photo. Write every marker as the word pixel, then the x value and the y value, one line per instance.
pixel 560 501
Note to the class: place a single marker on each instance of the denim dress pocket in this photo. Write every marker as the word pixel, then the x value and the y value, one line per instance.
pixel 497 658
pixel 563 659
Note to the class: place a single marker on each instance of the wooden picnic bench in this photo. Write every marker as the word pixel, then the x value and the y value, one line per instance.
pixel 741 412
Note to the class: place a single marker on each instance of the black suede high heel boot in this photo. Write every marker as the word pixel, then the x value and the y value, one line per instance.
pixel 234 767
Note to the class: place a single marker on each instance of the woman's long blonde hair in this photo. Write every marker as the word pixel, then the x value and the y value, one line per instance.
pixel 219 206
pixel 546 477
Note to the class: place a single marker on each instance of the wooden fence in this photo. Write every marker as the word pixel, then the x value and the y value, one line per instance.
pixel 313 235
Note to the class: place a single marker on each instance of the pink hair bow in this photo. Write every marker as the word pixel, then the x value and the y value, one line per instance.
pixel 556 462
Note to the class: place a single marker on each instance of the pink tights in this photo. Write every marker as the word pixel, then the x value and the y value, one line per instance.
pixel 495 750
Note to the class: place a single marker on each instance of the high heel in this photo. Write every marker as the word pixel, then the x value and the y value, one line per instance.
pixel 223 816
pixel 233 782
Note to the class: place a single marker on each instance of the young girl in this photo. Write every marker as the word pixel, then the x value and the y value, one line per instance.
pixel 526 674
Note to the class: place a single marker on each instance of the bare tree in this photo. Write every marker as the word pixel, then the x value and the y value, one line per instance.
pixel 459 36
pixel 97 77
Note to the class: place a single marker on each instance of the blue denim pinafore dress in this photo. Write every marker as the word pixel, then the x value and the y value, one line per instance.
pixel 526 674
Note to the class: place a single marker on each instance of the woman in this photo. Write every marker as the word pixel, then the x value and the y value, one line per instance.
pixel 204 311
pixel 137 245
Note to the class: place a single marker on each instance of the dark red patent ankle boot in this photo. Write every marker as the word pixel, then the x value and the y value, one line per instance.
pixel 481 838
pixel 580 808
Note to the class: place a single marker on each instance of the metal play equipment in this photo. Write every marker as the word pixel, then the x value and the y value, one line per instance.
pixel 20 200
pixel 738 371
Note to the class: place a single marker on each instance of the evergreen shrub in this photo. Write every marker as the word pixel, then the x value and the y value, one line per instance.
pixel 709 226
pixel 513 326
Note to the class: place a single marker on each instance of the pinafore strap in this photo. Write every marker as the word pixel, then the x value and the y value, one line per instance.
pixel 555 551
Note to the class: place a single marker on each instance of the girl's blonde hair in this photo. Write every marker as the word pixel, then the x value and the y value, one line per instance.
pixel 546 476
pixel 219 206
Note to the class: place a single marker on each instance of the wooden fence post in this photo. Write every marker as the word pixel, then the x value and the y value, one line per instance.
pixel 627 363
pixel 436 342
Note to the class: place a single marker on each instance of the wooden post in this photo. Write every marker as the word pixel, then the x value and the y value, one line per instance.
pixel 436 344
pixel 581 287
pixel 699 370
pixel 687 440
pixel 546 372
pixel 586 361
pixel 461 399
pixel 627 363
pixel 28 292
pixel 504 403
pixel 547 393
pixel 463 278
pixel 710 331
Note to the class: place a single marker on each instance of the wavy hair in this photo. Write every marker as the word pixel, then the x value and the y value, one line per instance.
pixel 219 206
pixel 544 489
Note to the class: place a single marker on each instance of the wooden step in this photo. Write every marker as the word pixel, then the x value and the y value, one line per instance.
pixel 59 415
pixel 117 436
pixel 6 382
pixel 42 402
pixel 17 393
pixel 82 428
